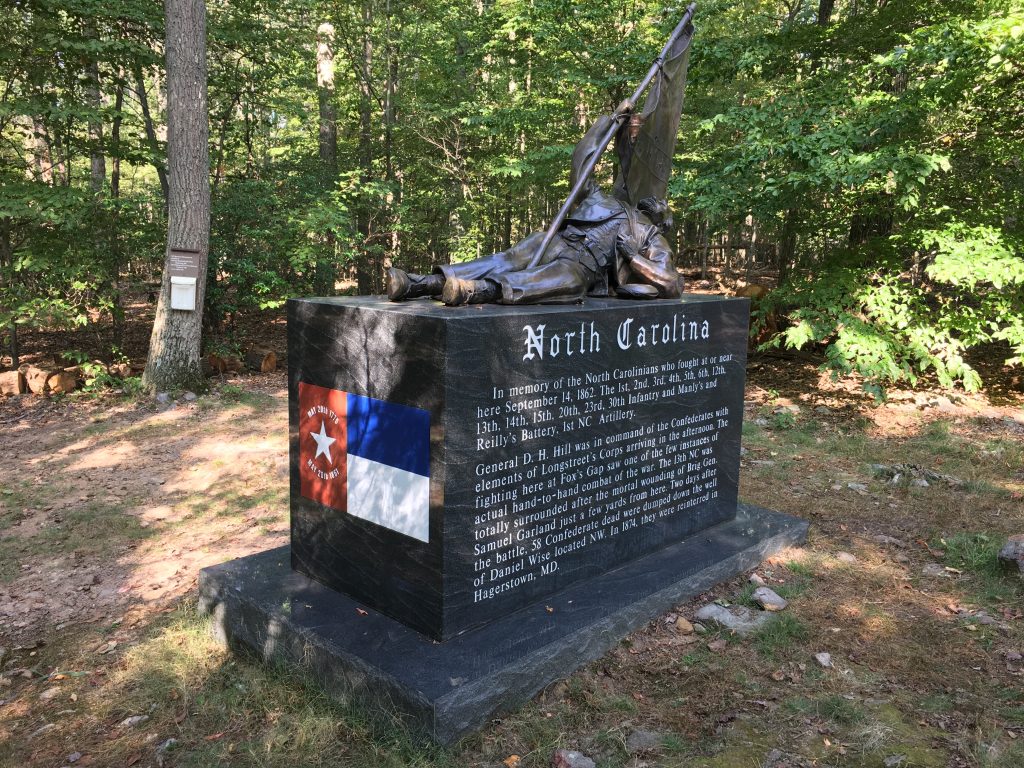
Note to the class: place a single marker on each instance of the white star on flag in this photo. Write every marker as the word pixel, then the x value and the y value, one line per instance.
pixel 323 443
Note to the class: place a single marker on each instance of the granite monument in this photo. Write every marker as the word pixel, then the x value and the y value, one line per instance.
pixel 484 497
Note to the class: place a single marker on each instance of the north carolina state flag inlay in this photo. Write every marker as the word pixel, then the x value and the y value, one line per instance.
pixel 323 445
pixel 367 457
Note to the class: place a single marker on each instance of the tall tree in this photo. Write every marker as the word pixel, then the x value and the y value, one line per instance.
pixel 325 269
pixel 174 345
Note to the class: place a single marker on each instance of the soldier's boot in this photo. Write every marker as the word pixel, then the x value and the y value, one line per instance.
pixel 403 285
pixel 458 292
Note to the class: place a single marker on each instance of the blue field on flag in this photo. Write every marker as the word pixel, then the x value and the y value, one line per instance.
pixel 389 465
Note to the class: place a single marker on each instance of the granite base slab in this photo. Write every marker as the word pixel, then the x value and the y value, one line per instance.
pixel 446 690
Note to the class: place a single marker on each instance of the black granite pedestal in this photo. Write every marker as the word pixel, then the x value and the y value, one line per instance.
pixel 485 498
pixel 450 466
pixel 445 690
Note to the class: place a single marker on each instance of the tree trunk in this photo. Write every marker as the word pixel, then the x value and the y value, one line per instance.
pixel 6 269
pixel 366 264
pixel 825 12
pixel 97 161
pixel 787 244
pixel 115 142
pixel 42 155
pixel 175 342
pixel 390 120
pixel 15 354
pixel 325 96
pixel 115 216
pixel 324 269
pixel 147 119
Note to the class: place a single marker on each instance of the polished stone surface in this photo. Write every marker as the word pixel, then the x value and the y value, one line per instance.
pixel 444 690
pixel 556 442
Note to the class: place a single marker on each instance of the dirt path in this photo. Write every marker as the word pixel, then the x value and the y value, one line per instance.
pixel 113 509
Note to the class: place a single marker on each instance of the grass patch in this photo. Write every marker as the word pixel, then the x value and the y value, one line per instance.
pixel 257 715
pixel 1000 754
pixel 746 596
pixel 797 568
pixel 12 505
pixel 1008 454
pixel 95 529
pixel 781 631
pixel 977 554
pixel 807 433
pixel 978 487
pixel 973 552
pixel 840 710
pixel 793 589
pixel 232 395
pixel 855 446
pixel 833 707
pixel 10 562
pixel 694 658
pixel 753 436
pixel 936 704
pixel 782 420
pixel 674 744
pixel 1013 715
pixel 621 704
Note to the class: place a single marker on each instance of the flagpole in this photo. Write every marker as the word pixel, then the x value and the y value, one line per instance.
pixel 623 111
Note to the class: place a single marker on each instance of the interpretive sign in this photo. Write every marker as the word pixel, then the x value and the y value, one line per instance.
pixel 183 263
pixel 505 454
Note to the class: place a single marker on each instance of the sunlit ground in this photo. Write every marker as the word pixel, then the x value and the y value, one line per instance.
pixel 108 510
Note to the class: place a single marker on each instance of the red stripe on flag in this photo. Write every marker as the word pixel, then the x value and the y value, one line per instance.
pixel 323 445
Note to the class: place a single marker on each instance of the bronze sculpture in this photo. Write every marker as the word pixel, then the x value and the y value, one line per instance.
pixel 598 244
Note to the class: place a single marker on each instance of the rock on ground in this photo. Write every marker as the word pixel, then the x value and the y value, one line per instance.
pixel 570 758
pixel 739 619
pixel 131 722
pixel 1012 553
pixel 890 541
pixel 769 599
pixel 642 740
pixel 683 626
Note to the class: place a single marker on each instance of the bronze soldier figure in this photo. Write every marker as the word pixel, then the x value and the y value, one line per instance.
pixel 603 244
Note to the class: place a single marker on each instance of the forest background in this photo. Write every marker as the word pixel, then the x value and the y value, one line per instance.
pixel 862 157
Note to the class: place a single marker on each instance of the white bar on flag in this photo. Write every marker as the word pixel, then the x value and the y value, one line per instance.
pixel 388 496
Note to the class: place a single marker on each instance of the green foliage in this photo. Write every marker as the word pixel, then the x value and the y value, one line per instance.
pixel 779 633
pixel 834 707
pixel 880 155
pixel 782 420
pixel 877 155
pixel 96 374
pixel 976 554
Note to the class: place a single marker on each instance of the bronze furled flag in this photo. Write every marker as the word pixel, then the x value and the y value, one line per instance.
pixel 646 142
